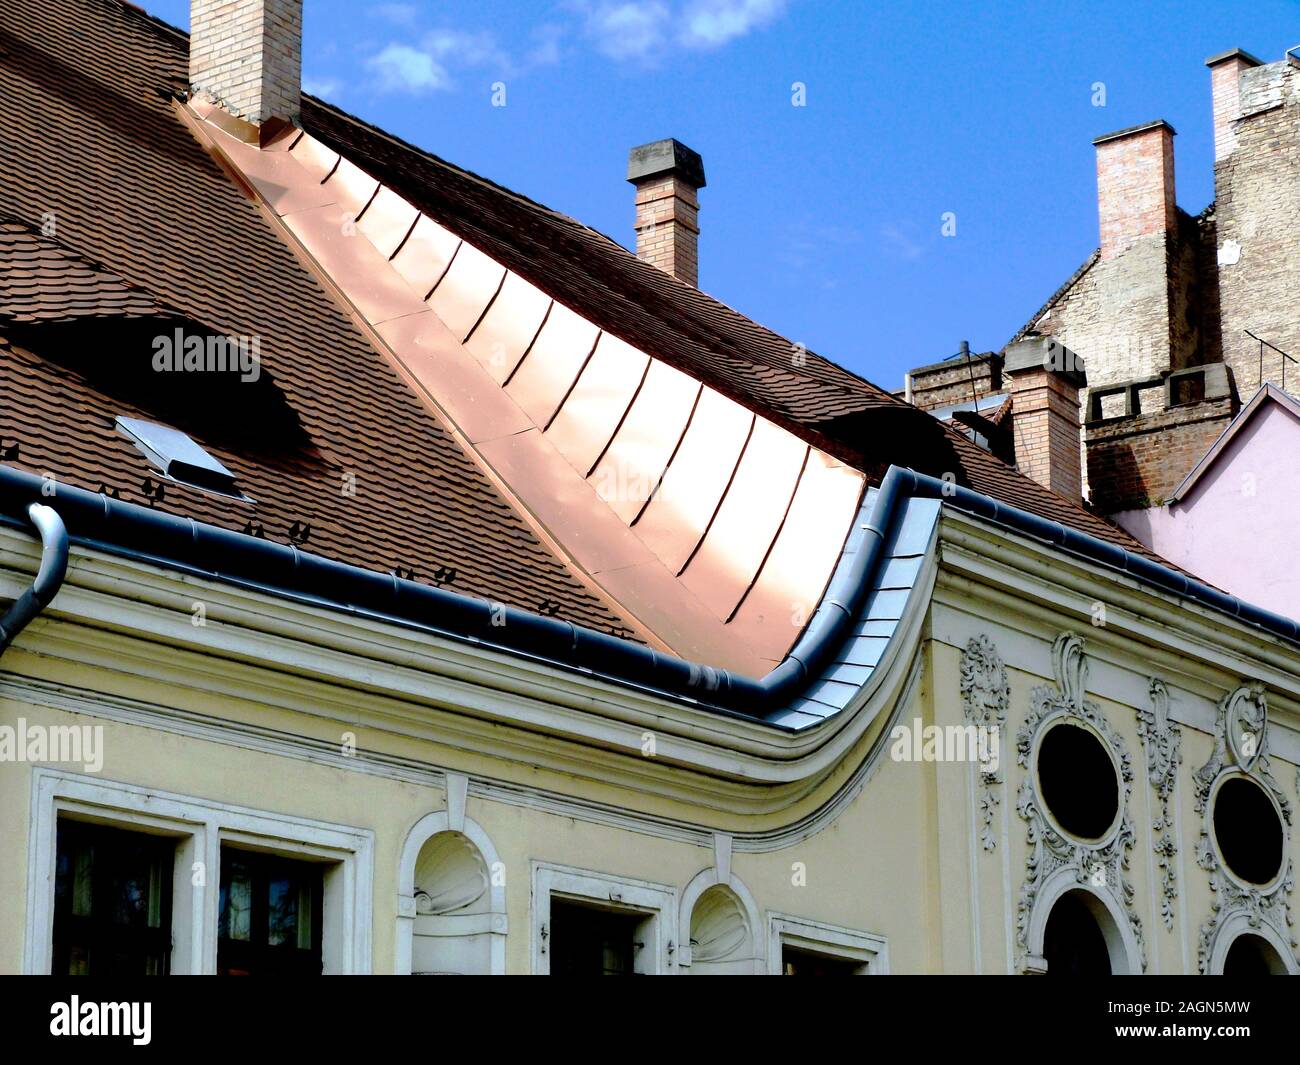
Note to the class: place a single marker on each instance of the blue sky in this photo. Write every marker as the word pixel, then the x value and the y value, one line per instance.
pixel 824 221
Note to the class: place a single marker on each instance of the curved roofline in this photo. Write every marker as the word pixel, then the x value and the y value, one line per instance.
pixel 97 521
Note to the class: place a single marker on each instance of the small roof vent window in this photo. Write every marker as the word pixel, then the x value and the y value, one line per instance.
pixel 177 456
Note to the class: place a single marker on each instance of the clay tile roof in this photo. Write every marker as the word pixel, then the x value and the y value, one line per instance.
pixel 90 133
pixel 42 282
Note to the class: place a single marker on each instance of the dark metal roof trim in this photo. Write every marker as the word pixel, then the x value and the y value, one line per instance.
pixel 130 530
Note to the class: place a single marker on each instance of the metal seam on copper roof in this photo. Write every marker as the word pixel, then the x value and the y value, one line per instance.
pixel 753 421
pixel 807 454
pixel 667 465
pixel 397 251
pixel 574 383
pixel 445 271
pixel 301 133
pixel 361 213
pixel 623 418
pixel 337 161
pixel 515 368
pixel 479 320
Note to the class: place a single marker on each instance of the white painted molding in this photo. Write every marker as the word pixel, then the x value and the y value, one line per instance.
pixel 1121 942
pixel 656 902
pixel 457 789
pixel 1239 924
pixel 869 950
pixel 200 826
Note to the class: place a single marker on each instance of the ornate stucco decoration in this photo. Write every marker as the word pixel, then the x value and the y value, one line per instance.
pixel 1100 865
pixel 1241 747
pixel 985 696
pixel 1162 741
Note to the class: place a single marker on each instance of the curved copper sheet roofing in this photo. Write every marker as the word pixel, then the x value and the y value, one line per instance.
pixel 712 527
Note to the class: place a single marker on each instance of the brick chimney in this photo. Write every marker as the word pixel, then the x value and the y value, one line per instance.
pixel 1045 378
pixel 668 176
pixel 1135 185
pixel 247 56
pixel 1225 91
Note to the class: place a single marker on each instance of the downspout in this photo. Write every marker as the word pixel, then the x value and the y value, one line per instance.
pixel 49 578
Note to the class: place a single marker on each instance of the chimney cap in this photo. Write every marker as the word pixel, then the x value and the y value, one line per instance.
pixel 664 157
pixel 1043 354
pixel 1234 53
pixel 1131 130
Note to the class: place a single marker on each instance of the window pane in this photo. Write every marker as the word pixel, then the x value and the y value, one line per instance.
pixel 236 900
pixel 112 901
pixel 270 914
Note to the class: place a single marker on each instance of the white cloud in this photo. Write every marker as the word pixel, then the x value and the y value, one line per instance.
pixel 627 29
pixel 546 48
pixel 712 23
pixel 647 29
pixel 325 88
pixel 466 49
pixel 398 14
pixel 401 68
pixel 898 242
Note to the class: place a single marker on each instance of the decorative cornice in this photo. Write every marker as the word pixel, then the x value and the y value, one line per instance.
pixel 1162 741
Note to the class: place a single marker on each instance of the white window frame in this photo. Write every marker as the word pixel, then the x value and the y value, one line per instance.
pixel 869 950
pixel 200 828
pixel 656 902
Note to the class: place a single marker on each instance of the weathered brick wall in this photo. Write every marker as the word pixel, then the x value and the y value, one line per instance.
pixel 945 384
pixel 1139 461
pixel 1257 217
pixel 1116 316
pixel 247 54
pixel 668 226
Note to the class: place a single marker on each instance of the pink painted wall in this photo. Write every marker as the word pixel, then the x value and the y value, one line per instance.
pixel 1239 526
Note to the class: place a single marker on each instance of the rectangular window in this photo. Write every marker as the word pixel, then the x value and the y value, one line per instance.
pixel 587 941
pixel 796 962
pixel 270 915
pixel 589 923
pixel 797 946
pixel 112 901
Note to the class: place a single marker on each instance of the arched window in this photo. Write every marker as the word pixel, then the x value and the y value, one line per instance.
pixel 1252 955
pixel 1074 944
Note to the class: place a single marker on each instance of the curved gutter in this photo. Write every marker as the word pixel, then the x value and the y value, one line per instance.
pixel 49 577
pixel 99 522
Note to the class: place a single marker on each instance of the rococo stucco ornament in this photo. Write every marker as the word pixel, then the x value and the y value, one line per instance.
pixel 1241 747
pixel 1163 743
pixel 1102 865
pixel 985 696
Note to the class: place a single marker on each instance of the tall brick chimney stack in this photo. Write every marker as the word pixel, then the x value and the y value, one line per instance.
pixel 247 56
pixel 1045 378
pixel 1225 90
pixel 668 176
pixel 1135 185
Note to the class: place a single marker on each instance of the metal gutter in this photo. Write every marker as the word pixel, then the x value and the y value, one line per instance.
pixel 99 522
pixel 49 577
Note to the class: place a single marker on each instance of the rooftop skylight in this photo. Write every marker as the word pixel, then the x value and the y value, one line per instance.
pixel 177 456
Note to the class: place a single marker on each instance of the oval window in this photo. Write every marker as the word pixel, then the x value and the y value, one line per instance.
pixel 1078 781
pixel 1248 831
